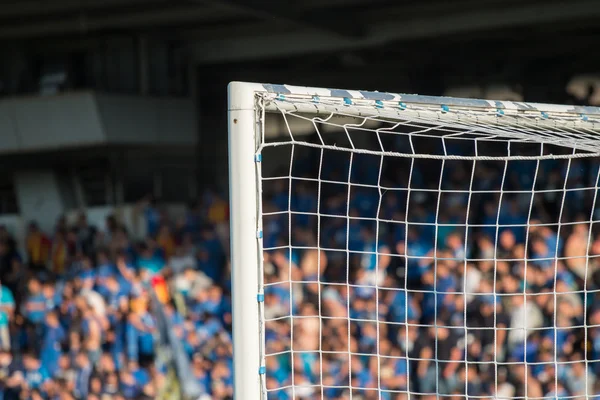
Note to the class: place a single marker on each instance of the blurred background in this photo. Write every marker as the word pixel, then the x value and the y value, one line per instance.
pixel 113 152
pixel 139 85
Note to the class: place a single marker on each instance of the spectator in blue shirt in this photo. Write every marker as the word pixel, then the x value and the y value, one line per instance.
pixel 376 257
pixel 148 262
pixel 7 309
pixel 394 372
pixel 84 373
pixel 104 269
pixel 151 213
pixel 400 306
pixel 417 254
pixel 140 333
pixel 86 274
pixel 35 305
pixel 35 374
pixel 52 343
pixel 211 254
pixel 201 374
pixel 51 295
pixel 541 253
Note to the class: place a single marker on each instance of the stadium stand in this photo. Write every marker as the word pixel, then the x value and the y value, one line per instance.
pixel 88 313
pixel 421 343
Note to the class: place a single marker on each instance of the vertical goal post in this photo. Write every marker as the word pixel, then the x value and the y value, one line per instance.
pixel 245 226
pixel 501 133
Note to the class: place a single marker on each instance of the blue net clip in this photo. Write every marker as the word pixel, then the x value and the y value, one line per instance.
pixel 584 117
pixel 280 97
pixel 259 234
pixel 499 112
pixel 378 103
pixel 316 99
pixel 544 115
pixel 262 370
pixel 260 297
pixel 445 108
pixel 402 106
pixel 258 158
pixel 347 101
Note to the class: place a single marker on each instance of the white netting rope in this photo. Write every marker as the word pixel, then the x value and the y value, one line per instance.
pixel 464 265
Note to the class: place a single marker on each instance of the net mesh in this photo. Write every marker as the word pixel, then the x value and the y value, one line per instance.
pixel 421 251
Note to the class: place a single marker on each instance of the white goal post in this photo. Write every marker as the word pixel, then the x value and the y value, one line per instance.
pixel 387 246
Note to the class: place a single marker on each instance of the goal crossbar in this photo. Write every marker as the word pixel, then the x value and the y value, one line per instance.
pixel 370 98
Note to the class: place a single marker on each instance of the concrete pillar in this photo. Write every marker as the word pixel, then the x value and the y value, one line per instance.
pixel 38 195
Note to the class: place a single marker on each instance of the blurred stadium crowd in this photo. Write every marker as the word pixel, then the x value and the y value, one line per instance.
pixel 75 311
pixel 506 308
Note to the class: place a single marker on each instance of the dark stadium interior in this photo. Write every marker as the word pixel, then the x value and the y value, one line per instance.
pixel 113 152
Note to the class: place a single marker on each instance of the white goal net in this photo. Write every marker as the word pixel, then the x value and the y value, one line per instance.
pixel 392 246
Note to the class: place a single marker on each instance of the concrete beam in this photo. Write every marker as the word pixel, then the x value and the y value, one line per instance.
pixel 132 20
pixel 327 22
pixel 258 43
